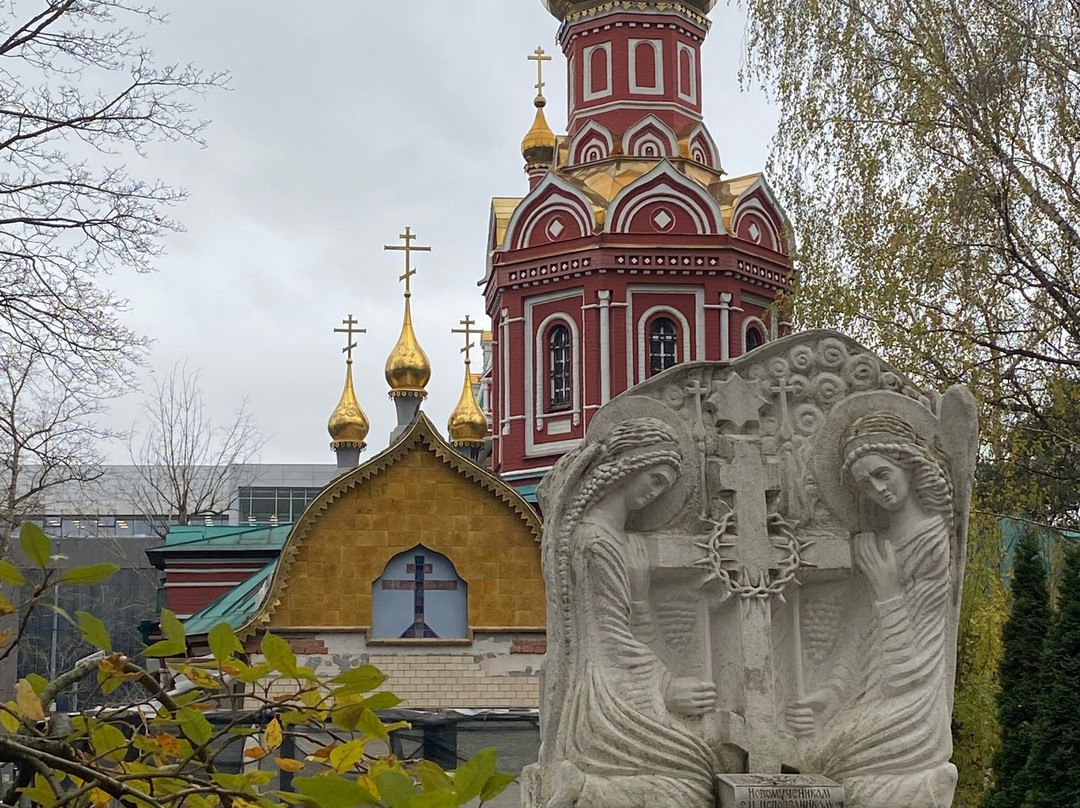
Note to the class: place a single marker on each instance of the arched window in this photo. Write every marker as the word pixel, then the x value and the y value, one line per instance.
pixel 754 339
pixel 559 377
pixel 418 595
pixel 663 345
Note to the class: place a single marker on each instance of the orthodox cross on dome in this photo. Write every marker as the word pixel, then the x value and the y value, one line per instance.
pixel 468 332
pixel 539 57
pixel 350 330
pixel 408 249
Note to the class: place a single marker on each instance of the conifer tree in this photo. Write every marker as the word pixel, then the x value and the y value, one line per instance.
pixel 1053 767
pixel 1023 636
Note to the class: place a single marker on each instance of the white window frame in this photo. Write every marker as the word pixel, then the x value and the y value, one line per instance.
pixel 588 94
pixel 680 49
pixel 658 54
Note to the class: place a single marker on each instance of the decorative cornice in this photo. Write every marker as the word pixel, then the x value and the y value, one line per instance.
pixel 420 436
pixel 691 14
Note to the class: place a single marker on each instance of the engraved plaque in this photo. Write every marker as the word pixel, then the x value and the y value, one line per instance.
pixel 779 791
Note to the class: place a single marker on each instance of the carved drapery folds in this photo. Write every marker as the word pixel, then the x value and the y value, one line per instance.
pixel 756 566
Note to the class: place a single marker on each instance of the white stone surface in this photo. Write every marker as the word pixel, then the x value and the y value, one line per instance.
pixel 755 566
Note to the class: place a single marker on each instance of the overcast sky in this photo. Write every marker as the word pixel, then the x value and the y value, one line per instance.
pixel 345 122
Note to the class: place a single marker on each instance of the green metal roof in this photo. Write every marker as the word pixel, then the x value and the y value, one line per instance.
pixel 235 607
pixel 217 537
pixel 528 492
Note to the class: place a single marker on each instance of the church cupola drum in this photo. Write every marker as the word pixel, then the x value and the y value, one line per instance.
pixel 632 250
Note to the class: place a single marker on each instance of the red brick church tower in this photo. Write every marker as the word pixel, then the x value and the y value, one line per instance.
pixel 631 251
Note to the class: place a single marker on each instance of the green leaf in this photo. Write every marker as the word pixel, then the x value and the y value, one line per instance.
pixel 93 631
pixel 10 575
pixel 171 627
pixel 109 741
pixel 40 793
pixel 432 777
pixel 434 799
pixel 37 682
pixel 279 653
pixel 254 673
pixel 371 724
pixel 334 792
pixel 164 648
pixel 35 544
pixel 496 785
pixel 347 716
pixel 223 642
pixel 381 701
pixel 92 574
pixel 194 725
pixel 364 678
pixel 344 757
pixel 470 777
pixel 396 789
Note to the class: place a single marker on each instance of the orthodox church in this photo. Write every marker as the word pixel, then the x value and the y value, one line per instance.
pixel 630 251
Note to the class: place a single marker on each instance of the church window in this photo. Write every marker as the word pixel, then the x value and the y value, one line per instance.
pixel 687 74
pixel 419 595
pixel 559 367
pixel 663 345
pixel 646 71
pixel 597 71
pixel 754 338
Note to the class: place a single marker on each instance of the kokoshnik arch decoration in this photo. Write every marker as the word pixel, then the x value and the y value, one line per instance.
pixel 632 248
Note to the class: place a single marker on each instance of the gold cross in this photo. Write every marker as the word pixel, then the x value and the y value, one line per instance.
pixel 539 57
pixel 408 248
pixel 348 329
pixel 468 332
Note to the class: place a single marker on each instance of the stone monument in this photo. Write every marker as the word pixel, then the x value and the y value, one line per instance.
pixel 754 567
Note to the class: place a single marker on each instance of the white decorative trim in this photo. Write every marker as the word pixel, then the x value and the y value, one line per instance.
pixel 763 186
pixel 725 326
pixel 604 296
pixel 554 203
pixel 590 133
pixel 749 208
pixel 526 215
pixel 538 370
pixel 699 132
pixel 664 132
pixel 643 338
pixel 588 94
pixel 681 192
pixel 664 289
pixel 749 321
pixel 636 104
pixel 681 48
pixel 658 66
pixel 534 409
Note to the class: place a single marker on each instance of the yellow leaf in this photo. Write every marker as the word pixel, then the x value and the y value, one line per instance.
pixel 200 677
pixel 28 702
pixel 113 664
pixel 273 735
pixel 9 716
pixel 5 635
pixel 254 752
pixel 5 606
pixel 98 798
pixel 322 754
pixel 242 803
pixel 288 764
pixel 369 784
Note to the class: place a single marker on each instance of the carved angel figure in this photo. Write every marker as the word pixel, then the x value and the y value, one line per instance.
pixel 880 722
pixel 614 719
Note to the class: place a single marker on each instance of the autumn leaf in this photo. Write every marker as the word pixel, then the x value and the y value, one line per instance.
pixel 254 753
pixel 288 764
pixel 29 704
pixel 169 744
pixel 273 735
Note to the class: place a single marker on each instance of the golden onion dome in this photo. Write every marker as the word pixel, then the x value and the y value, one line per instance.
pixel 538 147
pixel 407 368
pixel 467 425
pixel 348 426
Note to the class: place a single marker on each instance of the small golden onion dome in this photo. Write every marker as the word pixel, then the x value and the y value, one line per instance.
pixel 538 147
pixel 348 426
pixel 467 425
pixel 407 368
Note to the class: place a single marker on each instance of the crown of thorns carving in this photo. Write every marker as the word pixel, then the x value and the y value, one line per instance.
pixel 746 583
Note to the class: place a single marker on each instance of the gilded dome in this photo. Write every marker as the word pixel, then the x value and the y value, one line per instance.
pixel 407 368
pixel 538 147
pixel 348 426
pixel 562 8
pixel 467 425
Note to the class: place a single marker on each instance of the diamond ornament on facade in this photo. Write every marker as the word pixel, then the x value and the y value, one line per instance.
pixel 662 219
pixel 556 228
pixel 754 231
